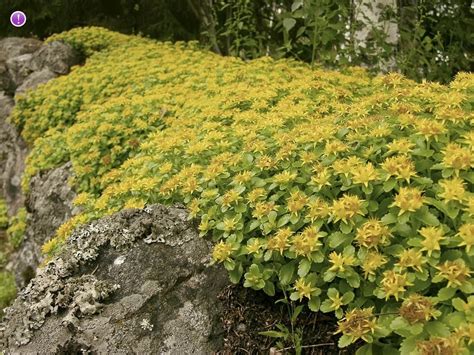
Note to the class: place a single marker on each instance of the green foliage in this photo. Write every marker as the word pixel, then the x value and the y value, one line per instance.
pixel 162 19
pixel 240 29
pixel 4 244
pixel 315 31
pixel 293 335
pixel 88 42
pixel 433 43
pixel 3 214
pixel 16 228
pixel 7 289
pixel 351 194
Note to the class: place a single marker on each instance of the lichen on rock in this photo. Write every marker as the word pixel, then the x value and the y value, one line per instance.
pixel 83 296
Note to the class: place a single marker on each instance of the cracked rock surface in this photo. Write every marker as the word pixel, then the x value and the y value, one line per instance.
pixel 10 48
pixel 13 152
pixel 136 282
pixel 49 205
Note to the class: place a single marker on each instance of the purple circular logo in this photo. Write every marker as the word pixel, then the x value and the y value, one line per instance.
pixel 18 18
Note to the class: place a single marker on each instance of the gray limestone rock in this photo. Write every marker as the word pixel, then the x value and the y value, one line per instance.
pixel 6 81
pixel 6 105
pixel 36 78
pixel 14 46
pixel 57 56
pixel 12 155
pixel 19 68
pixel 49 204
pixel 109 292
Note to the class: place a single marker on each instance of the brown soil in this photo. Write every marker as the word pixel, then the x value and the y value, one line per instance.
pixel 248 312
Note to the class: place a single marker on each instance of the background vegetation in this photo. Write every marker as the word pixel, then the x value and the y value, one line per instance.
pixel 434 40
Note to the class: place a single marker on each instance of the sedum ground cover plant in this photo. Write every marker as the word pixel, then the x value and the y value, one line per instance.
pixel 7 280
pixel 352 194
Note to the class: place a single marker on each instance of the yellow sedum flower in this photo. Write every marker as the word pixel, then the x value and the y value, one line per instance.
pixel 230 224
pixel 340 262
pixel 411 258
pixel 222 251
pixel 194 207
pixel 280 241
pixel 372 234
pixel 458 158
pixel 304 289
pixel 166 168
pixel 432 237
pixel 255 245
pixel 455 272
pixel 262 209
pixel 322 178
pixel 466 232
pixel 453 189
pixel 82 199
pixel 256 194
pixel 394 284
pixel 429 128
pixel 346 208
pixel 345 166
pixel 401 145
pixel 466 331
pixel 231 197
pixel 307 241
pixel 308 157
pixel 334 147
pixel 358 324
pixel 296 202
pixel 284 177
pixel 373 262
pixel 318 209
pixel 204 226
pixel 399 166
pixel 409 199
pixel 243 177
pixel 469 206
pixel 363 174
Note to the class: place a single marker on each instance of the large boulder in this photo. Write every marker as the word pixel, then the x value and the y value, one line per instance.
pixel 49 205
pixel 134 282
pixel 12 47
pixel 57 56
pixel 26 67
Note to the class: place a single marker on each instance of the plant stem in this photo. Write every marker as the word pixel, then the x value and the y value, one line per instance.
pixel 310 346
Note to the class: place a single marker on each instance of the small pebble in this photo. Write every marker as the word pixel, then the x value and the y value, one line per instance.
pixel 241 327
